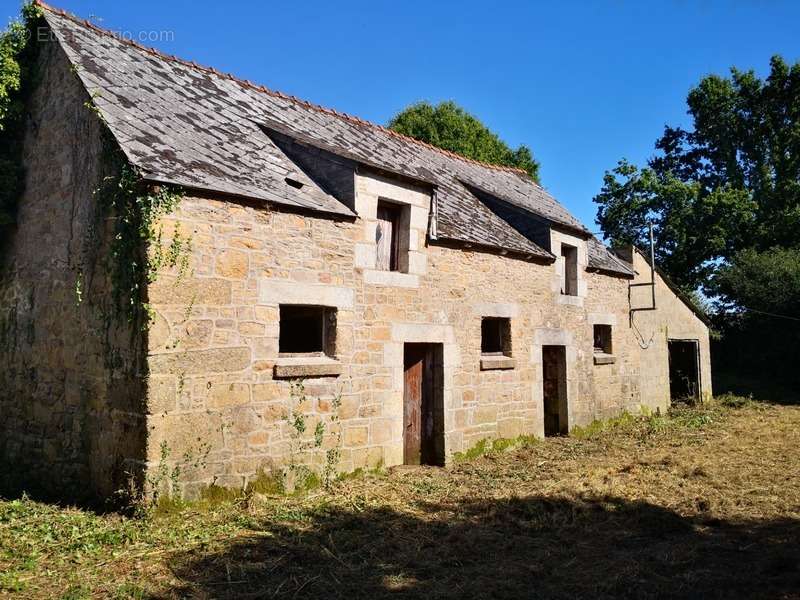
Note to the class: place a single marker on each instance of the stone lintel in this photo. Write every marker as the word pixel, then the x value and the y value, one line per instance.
pixel 495 309
pixel 602 319
pixel 284 291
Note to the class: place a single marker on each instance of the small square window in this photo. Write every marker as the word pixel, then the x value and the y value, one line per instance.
pixel 496 336
pixel 602 339
pixel 307 330
pixel 569 281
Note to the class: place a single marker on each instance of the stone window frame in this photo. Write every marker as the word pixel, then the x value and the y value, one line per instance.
pixel 415 201
pixel 500 359
pixel 497 310
pixel 315 363
pixel 557 239
pixel 606 320
pixel 401 232
pixel 274 292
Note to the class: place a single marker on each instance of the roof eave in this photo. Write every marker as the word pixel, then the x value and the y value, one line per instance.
pixel 447 241
pixel 206 191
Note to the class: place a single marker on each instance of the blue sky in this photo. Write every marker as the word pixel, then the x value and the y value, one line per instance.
pixel 582 83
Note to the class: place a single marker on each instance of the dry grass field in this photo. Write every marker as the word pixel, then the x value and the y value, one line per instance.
pixel 703 502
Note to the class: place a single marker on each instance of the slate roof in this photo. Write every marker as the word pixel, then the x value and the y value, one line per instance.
pixel 604 260
pixel 193 126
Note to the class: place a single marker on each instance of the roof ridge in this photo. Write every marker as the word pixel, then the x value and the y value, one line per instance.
pixel 263 89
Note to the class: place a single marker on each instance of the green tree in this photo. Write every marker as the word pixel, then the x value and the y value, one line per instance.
pixel 766 281
pixel 760 325
pixel 693 227
pixel 17 65
pixel 450 127
pixel 729 183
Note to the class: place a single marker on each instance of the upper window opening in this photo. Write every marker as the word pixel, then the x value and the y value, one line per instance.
pixel 307 329
pixel 569 282
pixel 602 339
pixel 387 236
pixel 496 336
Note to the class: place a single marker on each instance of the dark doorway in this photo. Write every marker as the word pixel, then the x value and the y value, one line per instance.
pixel 423 405
pixel 569 285
pixel 684 370
pixel 554 380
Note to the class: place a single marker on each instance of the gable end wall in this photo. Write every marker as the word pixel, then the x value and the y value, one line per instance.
pixel 70 405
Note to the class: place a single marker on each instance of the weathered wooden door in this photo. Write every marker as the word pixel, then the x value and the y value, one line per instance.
pixel 554 382
pixel 412 405
pixel 423 410
pixel 385 234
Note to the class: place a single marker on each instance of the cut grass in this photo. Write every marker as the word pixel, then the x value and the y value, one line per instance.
pixel 488 447
pixel 703 501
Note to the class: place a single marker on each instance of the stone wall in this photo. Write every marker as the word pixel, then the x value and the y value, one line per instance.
pixel 214 344
pixel 81 404
pixel 674 320
pixel 70 413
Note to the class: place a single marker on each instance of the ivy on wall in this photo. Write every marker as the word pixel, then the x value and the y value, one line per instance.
pixel 134 208
pixel 137 252
pixel 18 54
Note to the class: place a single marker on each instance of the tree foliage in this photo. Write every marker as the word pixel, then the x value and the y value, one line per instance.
pixel 767 281
pixel 730 183
pixel 17 66
pixel 759 343
pixel 450 127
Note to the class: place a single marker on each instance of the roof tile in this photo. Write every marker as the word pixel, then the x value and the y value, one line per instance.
pixel 193 126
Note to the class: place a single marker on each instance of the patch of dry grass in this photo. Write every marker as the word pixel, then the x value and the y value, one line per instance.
pixel 702 502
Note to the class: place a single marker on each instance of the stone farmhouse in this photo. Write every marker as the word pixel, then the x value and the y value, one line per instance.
pixel 425 301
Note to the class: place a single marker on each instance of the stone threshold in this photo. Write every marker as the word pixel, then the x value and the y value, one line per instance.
pixel 601 358
pixel 307 366
pixel 491 363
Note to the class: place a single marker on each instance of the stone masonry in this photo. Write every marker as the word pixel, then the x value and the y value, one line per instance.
pixel 214 345
pixel 88 402
pixel 71 386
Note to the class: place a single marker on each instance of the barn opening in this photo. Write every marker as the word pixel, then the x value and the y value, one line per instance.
pixel 684 370
pixel 496 336
pixel 602 339
pixel 306 330
pixel 423 404
pixel 554 381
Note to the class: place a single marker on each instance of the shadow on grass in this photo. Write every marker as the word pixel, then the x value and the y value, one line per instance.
pixel 765 389
pixel 16 489
pixel 591 547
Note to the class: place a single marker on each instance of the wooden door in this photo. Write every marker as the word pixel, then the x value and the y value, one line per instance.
pixel 554 382
pixel 412 404
pixel 385 238
pixel 423 404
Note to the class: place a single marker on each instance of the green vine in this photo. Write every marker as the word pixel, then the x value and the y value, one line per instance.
pixel 137 251
pixel 18 56
pixel 300 444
